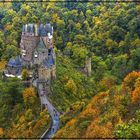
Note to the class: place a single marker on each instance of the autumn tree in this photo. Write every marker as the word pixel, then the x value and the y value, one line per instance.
pixel 1 132
pixel 130 80
pixel 29 96
pixel 136 95
pixel 71 86
pixel 25 74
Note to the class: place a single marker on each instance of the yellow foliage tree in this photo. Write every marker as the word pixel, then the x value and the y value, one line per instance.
pixel 99 131
pixel 1 132
pixel 25 74
pixel 2 64
pixel 71 86
pixel 29 115
pixel 29 96
pixel 78 26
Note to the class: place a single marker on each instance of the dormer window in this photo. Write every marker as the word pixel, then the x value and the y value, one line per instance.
pixel 36 55
pixel 24 54
pixel 49 34
pixel 23 51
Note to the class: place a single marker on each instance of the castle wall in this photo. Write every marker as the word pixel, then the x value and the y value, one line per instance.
pixel 11 70
pixel 41 55
pixel 48 41
pixel 53 72
pixel 45 40
pixel 44 74
pixel 28 43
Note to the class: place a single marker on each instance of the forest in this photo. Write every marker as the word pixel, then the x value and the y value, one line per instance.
pixel 105 104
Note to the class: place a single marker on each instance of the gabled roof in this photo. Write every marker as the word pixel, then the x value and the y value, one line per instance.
pixel 50 61
pixel 46 64
pixel 42 31
pixel 15 62
pixel 45 29
pixel 48 28
pixel 41 45
pixel 11 62
pixel 18 60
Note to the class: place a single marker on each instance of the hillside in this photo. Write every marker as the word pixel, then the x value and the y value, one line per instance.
pixel 112 113
pixel 70 94
pixel 21 114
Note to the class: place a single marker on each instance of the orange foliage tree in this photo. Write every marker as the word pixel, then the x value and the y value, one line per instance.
pixel 1 132
pixel 135 96
pixel 70 130
pixel 130 80
pixel 99 131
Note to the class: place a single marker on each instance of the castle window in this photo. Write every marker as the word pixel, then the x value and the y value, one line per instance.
pixel 24 54
pixel 35 55
pixel 49 40
pixel 49 51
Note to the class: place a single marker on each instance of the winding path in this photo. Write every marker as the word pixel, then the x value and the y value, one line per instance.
pixel 52 111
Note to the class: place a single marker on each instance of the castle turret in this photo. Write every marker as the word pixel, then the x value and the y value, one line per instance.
pixel 29 41
pixel 25 28
pixel 88 66
pixel 36 30
pixel 40 52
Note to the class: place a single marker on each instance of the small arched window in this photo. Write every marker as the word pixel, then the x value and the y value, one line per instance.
pixel 35 54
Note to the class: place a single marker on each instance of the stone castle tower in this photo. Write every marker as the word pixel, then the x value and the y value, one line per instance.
pixel 88 66
pixel 29 41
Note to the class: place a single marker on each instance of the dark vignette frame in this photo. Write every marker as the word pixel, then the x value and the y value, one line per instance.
pixel 82 1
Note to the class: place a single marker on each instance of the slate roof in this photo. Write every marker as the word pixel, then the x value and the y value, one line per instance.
pixel 44 30
pixel 41 45
pixel 48 28
pixel 50 61
pixel 15 62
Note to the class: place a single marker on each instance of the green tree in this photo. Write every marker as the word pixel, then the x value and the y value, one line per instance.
pixel 25 74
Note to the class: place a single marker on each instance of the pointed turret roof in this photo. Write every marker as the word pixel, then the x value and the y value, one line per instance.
pixel 42 31
pixel 41 45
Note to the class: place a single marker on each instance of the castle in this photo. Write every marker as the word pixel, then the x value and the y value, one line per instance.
pixel 36 54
